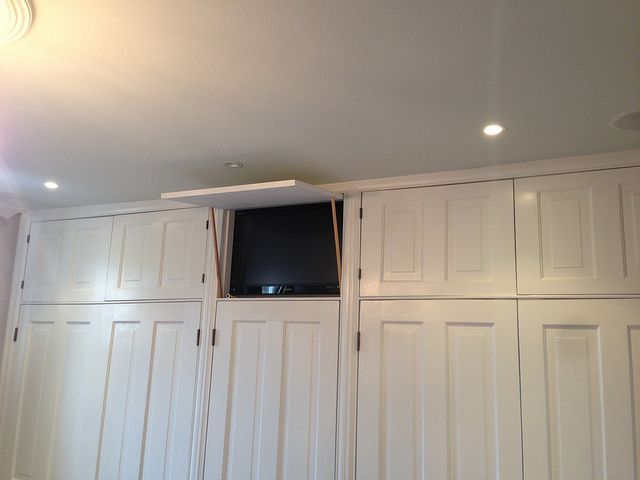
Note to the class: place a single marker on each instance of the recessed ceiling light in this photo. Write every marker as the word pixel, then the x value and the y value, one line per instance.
pixel 51 185
pixel 233 164
pixel 493 129
pixel 626 120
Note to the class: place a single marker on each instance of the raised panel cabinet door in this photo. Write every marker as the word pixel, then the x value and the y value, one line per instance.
pixel 446 240
pixel 51 426
pixel 438 391
pixel 272 412
pixel 67 260
pixel 578 233
pixel 158 255
pixel 579 369
pixel 148 421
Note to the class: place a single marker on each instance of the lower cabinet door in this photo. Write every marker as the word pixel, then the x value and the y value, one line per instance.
pixel 438 391
pixel 580 388
pixel 52 416
pixel 148 424
pixel 272 414
pixel 101 391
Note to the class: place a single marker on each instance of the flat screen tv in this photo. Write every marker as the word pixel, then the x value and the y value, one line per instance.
pixel 285 251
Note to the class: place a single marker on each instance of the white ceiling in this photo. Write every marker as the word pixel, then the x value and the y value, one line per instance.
pixel 122 100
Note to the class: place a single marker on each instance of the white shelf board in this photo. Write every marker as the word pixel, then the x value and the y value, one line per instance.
pixel 255 195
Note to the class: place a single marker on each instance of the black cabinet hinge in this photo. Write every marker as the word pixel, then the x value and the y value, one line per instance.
pixel 213 337
pixel 198 338
pixel 15 335
pixel 28 238
pixel 203 277
pixel 361 212
pixel 207 225
pixel 359 273
pixel 357 341
pixel 22 285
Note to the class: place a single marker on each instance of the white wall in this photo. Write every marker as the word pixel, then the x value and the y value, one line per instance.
pixel 8 236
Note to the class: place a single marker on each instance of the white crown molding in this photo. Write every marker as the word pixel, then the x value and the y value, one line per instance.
pixel 104 210
pixel 19 16
pixel 630 158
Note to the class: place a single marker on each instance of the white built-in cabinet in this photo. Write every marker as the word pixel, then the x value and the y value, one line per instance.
pixel 446 240
pixel 102 392
pixel 103 376
pixel 579 233
pixel 438 390
pixel 272 411
pixel 67 260
pixel 158 255
pixel 580 388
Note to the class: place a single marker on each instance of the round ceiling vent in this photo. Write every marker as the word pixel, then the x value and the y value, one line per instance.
pixel 626 120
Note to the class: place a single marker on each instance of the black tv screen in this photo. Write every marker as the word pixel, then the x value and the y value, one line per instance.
pixel 285 251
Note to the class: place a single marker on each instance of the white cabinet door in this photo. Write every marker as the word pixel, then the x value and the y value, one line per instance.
pixel 51 426
pixel 67 260
pixel 438 391
pixel 158 255
pixel 148 424
pixel 102 391
pixel 272 411
pixel 450 240
pixel 580 362
pixel 579 233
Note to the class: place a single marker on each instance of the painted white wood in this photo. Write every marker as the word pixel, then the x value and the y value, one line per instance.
pixel 630 192
pixel 56 393
pixel 438 392
pixel 104 209
pixel 273 400
pixel 550 166
pixel 452 240
pixel 148 421
pixel 578 420
pixel 158 255
pixel 67 261
pixel 102 391
pixel 634 348
pixel 255 195
pixel 348 357
pixel 579 233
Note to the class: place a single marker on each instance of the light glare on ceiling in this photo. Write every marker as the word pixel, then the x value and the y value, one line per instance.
pixel 15 20
pixel 51 185
pixel 493 129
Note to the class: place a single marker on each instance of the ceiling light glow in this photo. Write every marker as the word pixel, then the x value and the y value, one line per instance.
pixel 493 129
pixel 15 20
pixel 233 164
pixel 51 185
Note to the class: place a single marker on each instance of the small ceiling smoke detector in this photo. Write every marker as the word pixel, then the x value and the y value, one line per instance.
pixel 493 129
pixel 51 185
pixel 233 164
pixel 626 120
pixel 15 20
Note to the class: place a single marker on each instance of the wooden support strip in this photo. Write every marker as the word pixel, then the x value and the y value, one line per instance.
pixel 216 251
pixel 336 237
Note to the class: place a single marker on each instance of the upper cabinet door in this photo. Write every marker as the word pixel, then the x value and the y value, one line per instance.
pixel 580 388
pixel 450 240
pixel 158 255
pixel 67 260
pixel 579 233
pixel 438 390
